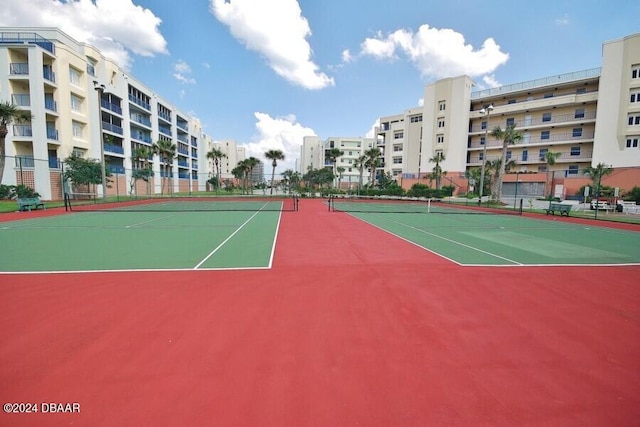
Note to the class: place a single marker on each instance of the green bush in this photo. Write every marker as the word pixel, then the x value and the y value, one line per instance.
pixel 9 192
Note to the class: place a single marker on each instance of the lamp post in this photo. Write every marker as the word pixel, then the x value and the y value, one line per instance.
pixel 100 89
pixel 485 111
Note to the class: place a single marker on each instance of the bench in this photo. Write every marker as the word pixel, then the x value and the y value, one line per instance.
pixel 561 208
pixel 30 203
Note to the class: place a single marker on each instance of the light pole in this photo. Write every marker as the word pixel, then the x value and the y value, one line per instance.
pixel 100 88
pixel 486 111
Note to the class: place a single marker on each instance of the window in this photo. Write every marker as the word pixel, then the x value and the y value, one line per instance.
pixel 575 151
pixel 482 140
pixel 511 121
pixel 481 156
pixel 397 160
pixel 632 142
pixel 76 103
pixel 397 147
pixel 573 170
pixel 545 134
pixel 635 72
pixel 398 135
pixel 440 139
pixel 635 96
pixel 634 120
pixel 416 119
pixel 77 129
pixel 579 113
pixel 546 117
pixel 511 101
pixel 508 155
pixel 78 152
pixel 525 155
pixel 483 126
pixel 548 95
pixel 581 90
pixel 542 153
pixel 440 123
pixel 442 105
pixel 577 132
pixel 74 76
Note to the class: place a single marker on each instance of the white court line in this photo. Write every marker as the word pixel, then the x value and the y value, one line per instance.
pixel 275 238
pixel 228 238
pixel 151 220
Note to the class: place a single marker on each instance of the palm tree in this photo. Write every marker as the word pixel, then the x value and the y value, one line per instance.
pixel 216 155
pixel 495 171
pixel 291 178
pixel 332 155
pixel 372 162
pixel 141 167
pixel 166 150
pixel 437 170
pixel 274 156
pixel 9 113
pixel 550 158
pixel 251 162
pixel 241 171
pixel 596 173
pixel 361 163
pixel 340 171
pixel 509 136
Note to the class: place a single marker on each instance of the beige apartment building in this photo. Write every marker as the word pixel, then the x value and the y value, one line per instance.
pixel 84 103
pixel 586 117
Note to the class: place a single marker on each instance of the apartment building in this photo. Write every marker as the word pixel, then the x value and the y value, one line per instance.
pixel 83 103
pixel 314 155
pixel 233 153
pixel 585 117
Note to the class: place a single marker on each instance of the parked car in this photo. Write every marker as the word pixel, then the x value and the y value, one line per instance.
pixel 601 205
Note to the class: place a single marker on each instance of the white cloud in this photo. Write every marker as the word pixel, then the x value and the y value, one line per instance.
pixel 371 133
pixel 436 52
pixel 421 102
pixel 276 30
pixel 116 27
pixel 563 21
pixel 181 71
pixel 346 56
pixel 490 81
pixel 278 133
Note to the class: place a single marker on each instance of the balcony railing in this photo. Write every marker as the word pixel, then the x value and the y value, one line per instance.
pixel 141 119
pixel 52 134
pixel 26 37
pixel 141 137
pixel 19 68
pixel 49 74
pixel 184 175
pixel 112 128
pixel 553 120
pixel 183 163
pixel 116 169
pixel 111 106
pixel 140 102
pixel 183 138
pixel 164 116
pixel 165 130
pixel 51 105
pixel 54 163
pixel 21 100
pixel 22 130
pixel 112 148
pixel 183 126
pixel 24 161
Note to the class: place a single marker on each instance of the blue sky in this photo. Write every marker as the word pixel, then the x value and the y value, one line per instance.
pixel 267 72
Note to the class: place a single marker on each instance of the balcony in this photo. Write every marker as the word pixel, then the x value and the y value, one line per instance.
pixel 54 163
pixel 24 161
pixel 22 130
pixel 52 134
pixel 141 137
pixel 49 74
pixel 112 148
pixel 589 116
pixel 140 102
pixel 21 100
pixel 50 105
pixel 26 37
pixel 165 116
pixel 19 69
pixel 165 130
pixel 138 118
pixel 111 106
pixel 184 175
pixel 116 169
pixel 112 128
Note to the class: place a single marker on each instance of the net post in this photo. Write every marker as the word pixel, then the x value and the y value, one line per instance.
pixel 520 208
pixel 67 202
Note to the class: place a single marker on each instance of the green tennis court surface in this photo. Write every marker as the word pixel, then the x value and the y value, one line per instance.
pixel 153 240
pixel 508 240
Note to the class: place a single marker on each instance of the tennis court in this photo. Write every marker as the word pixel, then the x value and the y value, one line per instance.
pixel 353 324
pixel 469 236
pixel 146 235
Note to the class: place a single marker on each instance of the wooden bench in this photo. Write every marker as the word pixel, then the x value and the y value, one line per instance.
pixel 30 203
pixel 558 207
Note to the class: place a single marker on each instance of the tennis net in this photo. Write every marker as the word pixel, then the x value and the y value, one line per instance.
pixel 389 204
pixel 288 203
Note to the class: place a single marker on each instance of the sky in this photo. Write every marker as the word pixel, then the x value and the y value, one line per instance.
pixel 266 73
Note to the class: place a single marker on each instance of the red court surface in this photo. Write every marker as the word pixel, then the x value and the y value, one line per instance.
pixel 351 327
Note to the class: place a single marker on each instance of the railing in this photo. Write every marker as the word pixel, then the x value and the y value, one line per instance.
pixel 24 161
pixel 19 68
pixel 141 119
pixel 140 102
pixel 553 120
pixel 54 163
pixel 116 169
pixel 22 130
pixel 164 174
pixel 194 154
pixel 531 84
pixel 183 138
pixel 50 105
pixel 111 106
pixel 52 134
pixel 141 137
pixel 183 151
pixel 165 130
pixel 185 175
pixel 183 125
pixel 25 37
pixel 112 128
pixel 49 74
pixel 21 100
pixel 113 148
pixel 194 143
pixel 165 116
